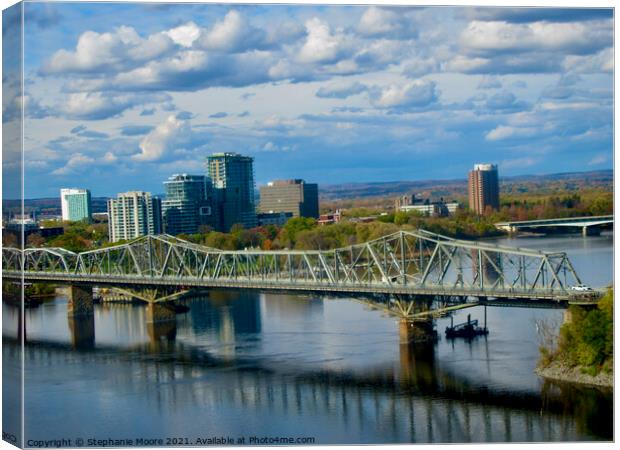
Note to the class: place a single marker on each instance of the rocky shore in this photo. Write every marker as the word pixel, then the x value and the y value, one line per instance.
pixel 559 372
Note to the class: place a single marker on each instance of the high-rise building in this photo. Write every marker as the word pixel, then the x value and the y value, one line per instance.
pixel 294 196
pixel 187 205
pixel 75 204
pixel 483 186
pixel 133 214
pixel 232 176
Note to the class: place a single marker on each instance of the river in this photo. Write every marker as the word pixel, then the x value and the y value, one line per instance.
pixel 258 366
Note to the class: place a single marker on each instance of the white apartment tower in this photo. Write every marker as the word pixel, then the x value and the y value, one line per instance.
pixel 133 214
pixel 75 204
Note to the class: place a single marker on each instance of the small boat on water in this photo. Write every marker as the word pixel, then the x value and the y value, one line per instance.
pixel 467 329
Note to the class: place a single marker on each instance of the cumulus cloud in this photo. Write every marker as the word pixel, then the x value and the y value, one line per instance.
pixel 162 139
pixel 572 38
pixel 384 22
pixel 505 101
pixel 184 35
pixel 98 105
pixel 321 45
pixel 417 93
pixel 602 61
pixel 417 67
pixel 108 52
pixel 76 161
pixel 233 34
pixel 219 115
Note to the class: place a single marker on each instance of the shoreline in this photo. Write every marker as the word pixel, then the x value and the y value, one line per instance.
pixel 559 372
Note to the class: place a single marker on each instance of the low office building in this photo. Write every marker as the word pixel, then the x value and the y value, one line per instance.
pixel 294 196
pixel 133 214
pixel 434 209
pixel 330 218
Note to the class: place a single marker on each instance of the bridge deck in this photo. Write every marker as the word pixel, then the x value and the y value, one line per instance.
pixel 558 295
pixel 567 221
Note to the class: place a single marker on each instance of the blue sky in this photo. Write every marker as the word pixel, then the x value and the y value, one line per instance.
pixel 120 96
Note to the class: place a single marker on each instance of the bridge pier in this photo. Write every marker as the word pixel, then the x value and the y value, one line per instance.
pixel 411 331
pixel 82 332
pixel 417 363
pixel 80 301
pixel 160 313
pixel 161 323
pixel 590 231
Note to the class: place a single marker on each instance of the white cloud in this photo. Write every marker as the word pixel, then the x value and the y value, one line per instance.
pixel 502 132
pixel 232 34
pixel 98 105
pixel 102 52
pixel 598 159
pixel 76 161
pixel 416 93
pixel 602 61
pixel 321 46
pixel 184 35
pixel 109 157
pixel 392 23
pixel 573 38
pixel 155 145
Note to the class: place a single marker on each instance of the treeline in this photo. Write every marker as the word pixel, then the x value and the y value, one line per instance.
pixel 532 207
pixel 305 234
pixel 587 340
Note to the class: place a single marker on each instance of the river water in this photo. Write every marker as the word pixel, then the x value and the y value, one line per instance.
pixel 244 365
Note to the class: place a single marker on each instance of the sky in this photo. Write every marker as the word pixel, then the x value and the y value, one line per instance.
pixel 120 96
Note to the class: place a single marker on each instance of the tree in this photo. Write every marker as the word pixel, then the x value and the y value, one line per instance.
pixel 35 240
pixel 9 239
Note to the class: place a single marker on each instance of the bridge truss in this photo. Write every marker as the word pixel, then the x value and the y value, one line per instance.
pixel 405 262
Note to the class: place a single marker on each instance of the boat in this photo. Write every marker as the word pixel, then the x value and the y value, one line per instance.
pixel 467 329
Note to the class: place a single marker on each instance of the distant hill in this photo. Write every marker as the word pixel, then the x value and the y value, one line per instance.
pixel 446 188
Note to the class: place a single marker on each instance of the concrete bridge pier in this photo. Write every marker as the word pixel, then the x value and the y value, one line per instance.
pixel 80 301
pixel 82 331
pixel 417 363
pixel 591 231
pixel 417 352
pixel 161 322
pixel 416 331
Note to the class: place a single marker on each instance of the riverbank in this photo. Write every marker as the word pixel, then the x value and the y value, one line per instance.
pixel 559 372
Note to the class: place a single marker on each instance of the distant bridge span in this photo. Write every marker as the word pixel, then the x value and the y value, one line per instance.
pixel 586 224
pixel 404 263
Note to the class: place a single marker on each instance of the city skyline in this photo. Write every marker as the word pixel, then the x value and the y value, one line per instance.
pixel 121 96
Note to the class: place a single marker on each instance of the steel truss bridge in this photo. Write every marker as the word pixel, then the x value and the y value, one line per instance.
pixel 416 263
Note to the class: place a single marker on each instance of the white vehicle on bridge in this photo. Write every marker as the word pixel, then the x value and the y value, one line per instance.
pixel 581 288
